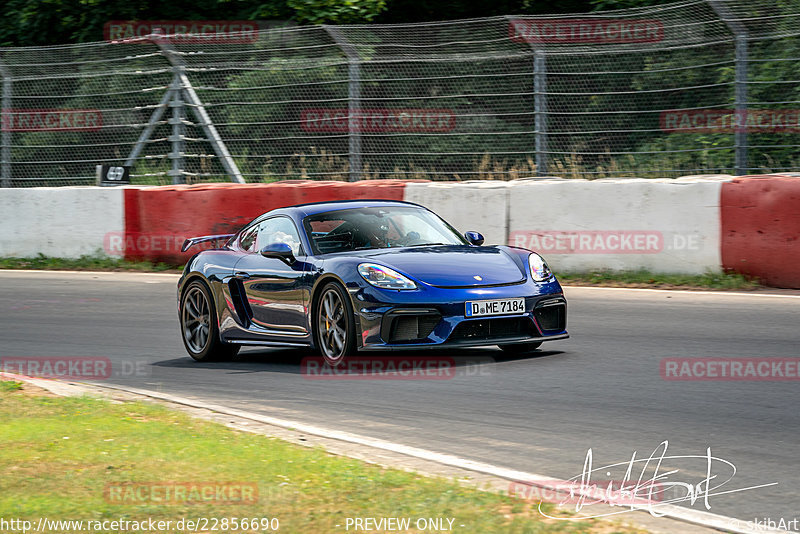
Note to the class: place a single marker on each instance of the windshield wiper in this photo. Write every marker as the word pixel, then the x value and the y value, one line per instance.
pixel 428 244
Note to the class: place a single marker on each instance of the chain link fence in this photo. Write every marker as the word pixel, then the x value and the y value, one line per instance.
pixel 708 86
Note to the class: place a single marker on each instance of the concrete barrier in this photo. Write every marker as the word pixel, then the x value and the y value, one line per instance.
pixel 476 205
pixel 760 235
pixel 624 224
pixel 65 222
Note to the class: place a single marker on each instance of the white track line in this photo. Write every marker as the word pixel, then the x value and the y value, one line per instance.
pixel 593 288
pixel 687 291
pixel 89 273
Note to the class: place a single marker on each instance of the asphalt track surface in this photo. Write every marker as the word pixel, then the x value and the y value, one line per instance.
pixel 602 389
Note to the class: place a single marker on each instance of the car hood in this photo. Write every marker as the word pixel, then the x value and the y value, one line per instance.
pixel 453 265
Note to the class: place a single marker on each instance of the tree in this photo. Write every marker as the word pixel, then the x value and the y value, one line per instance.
pixel 46 22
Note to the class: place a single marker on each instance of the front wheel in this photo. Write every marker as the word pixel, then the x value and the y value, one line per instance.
pixel 335 328
pixel 521 348
pixel 199 326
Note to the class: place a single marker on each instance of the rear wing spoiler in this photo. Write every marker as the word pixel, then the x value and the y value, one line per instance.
pixel 192 241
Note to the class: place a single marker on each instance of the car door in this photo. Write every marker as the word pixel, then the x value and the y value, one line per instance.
pixel 273 288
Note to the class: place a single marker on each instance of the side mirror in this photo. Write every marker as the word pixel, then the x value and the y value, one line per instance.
pixel 474 238
pixel 281 251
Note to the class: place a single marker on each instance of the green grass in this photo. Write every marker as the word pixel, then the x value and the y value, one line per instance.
pixel 58 454
pixel 643 278
pixel 96 262
pixel 9 385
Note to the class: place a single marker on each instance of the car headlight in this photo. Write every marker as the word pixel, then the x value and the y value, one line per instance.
pixel 384 277
pixel 539 269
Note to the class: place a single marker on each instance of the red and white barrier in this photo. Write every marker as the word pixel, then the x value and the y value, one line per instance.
pixel 760 228
pixel 686 225
pixel 158 219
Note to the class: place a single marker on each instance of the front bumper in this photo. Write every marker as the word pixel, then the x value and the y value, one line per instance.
pixel 432 317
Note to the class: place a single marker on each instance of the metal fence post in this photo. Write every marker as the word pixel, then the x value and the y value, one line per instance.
pixel 540 110
pixel 155 118
pixel 741 104
pixel 176 139
pixel 740 95
pixel 353 100
pixel 354 108
pixel 5 121
pixel 539 104
pixel 204 119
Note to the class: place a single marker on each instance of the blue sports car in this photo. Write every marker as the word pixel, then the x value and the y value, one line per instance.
pixel 363 275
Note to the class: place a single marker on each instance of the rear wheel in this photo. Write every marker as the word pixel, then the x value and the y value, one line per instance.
pixel 199 328
pixel 335 326
pixel 520 348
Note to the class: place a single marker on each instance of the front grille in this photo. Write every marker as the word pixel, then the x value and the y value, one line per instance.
pixel 408 326
pixel 552 315
pixel 492 329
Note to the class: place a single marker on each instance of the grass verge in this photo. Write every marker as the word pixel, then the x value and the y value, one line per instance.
pixel 641 279
pixel 85 263
pixel 9 385
pixel 647 279
pixel 66 458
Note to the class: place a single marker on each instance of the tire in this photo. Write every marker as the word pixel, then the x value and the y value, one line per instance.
pixel 521 348
pixel 199 328
pixel 334 325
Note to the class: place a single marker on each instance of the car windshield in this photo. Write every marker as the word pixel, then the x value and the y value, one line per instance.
pixel 378 227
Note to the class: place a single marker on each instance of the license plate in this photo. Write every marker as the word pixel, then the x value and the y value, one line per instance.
pixel 482 308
